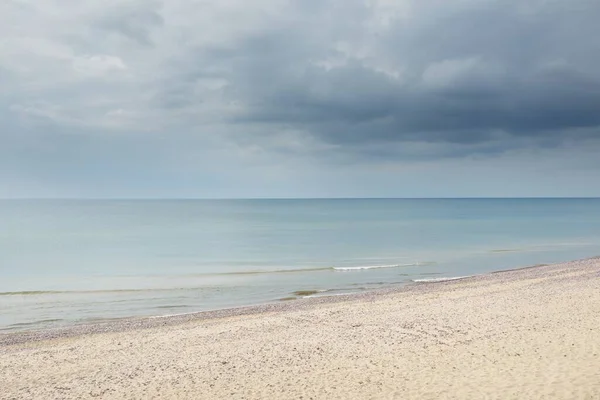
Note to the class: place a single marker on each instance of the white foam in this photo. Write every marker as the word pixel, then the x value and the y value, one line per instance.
pixel 312 296
pixel 443 279
pixel 363 267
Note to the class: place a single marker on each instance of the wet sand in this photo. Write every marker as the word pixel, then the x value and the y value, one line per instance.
pixel 521 334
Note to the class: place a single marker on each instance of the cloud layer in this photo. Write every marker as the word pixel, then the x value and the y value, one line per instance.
pixel 181 88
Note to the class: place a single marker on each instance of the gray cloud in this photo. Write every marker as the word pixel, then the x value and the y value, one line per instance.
pixel 133 20
pixel 463 73
pixel 330 82
pixel 484 69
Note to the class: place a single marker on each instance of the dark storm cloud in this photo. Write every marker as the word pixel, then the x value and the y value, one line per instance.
pixel 366 78
pixel 525 69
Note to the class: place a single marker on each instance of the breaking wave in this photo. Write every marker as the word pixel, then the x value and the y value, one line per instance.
pixel 442 279
pixel 232 273
pixel 364 267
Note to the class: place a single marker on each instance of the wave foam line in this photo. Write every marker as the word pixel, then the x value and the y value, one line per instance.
pixel 316 269
pixel 364 267
pixel 32 292
pixel 312 296
pixel 444 279
pixel 106 291
pixel 272 271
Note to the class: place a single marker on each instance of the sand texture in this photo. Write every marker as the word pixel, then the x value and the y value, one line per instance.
pixel 524 334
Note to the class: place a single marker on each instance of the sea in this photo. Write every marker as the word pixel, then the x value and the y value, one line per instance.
pixel 69 262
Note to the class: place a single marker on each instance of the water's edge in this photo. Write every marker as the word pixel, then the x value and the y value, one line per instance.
pixel 135 323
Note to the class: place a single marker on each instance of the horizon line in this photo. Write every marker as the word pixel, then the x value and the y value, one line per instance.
pixel 288 198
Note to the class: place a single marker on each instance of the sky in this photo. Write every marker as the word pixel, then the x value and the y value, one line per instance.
pixel 307 98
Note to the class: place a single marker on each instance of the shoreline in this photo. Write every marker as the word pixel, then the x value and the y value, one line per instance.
pixel 526 333
pixel 128 324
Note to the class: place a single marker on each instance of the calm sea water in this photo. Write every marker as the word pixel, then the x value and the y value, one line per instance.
pixel 69 262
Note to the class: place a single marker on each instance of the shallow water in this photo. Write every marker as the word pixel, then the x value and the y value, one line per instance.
pixel 68 262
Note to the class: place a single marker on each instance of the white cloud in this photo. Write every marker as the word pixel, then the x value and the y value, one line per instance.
pixel 98 65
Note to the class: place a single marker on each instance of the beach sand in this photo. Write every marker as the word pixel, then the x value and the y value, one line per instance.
pixel 522 334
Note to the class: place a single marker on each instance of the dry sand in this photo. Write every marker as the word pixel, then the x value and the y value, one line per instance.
pixel 523 334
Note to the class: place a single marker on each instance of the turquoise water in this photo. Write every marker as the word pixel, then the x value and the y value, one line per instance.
pixel 68 262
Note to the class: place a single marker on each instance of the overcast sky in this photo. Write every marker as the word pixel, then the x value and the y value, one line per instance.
pixel 307 98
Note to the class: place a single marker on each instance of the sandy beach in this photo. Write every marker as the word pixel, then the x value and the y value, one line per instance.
pixel 523 334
